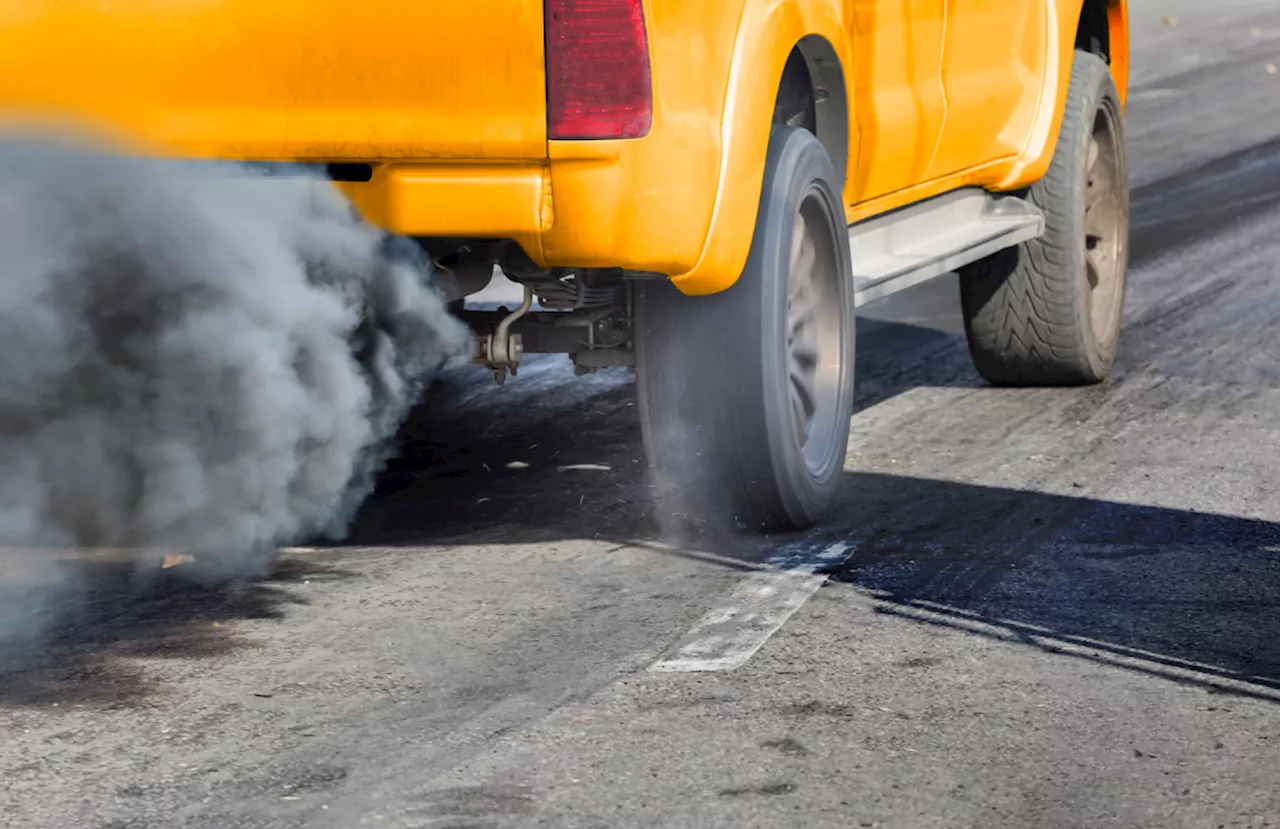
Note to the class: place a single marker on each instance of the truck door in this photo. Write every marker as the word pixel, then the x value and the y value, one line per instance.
pixel 993 65
pixel 898 96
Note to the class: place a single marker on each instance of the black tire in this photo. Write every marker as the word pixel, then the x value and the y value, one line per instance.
pixel 722 397
pixel 1032 313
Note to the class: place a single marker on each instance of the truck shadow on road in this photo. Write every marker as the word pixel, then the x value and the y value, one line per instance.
pixel 479 465
pixel 1188 596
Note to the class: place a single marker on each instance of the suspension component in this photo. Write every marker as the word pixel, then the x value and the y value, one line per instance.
pixel 566 290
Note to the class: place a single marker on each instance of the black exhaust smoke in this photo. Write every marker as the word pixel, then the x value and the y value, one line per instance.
pixel 194 358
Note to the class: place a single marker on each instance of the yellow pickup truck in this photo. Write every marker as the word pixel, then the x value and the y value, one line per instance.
pixel 703 190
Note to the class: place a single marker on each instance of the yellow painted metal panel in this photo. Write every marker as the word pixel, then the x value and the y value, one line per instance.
pixel 276 79
pixel 467 200
pixel 992 70
pixel 897 47
pixel 764 39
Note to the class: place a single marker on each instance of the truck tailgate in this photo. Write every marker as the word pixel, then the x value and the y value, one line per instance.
pixel 286 79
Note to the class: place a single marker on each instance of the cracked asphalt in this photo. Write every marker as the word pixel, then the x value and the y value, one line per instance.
pixel 1061 607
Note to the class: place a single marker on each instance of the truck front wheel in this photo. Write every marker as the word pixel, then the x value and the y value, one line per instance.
pixel 746 395
pixel 1049 311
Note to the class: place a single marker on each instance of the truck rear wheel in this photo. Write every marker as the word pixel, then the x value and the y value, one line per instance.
pixel 1049 311
pixel 746 395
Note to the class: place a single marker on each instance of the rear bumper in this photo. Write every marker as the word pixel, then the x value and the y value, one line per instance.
pixel 633 204
pixel 471 200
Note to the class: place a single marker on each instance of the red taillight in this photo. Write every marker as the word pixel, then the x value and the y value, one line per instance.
pixel 598 82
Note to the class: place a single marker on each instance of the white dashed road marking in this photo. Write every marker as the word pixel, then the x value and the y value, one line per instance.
pixel 755 609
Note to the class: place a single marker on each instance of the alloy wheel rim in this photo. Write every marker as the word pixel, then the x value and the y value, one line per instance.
pixel 1104 218
pixel 815 347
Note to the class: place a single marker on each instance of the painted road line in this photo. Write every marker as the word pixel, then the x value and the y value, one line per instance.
pixel 760 604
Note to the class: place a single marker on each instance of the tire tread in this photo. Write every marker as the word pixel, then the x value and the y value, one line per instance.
pixel 1022 314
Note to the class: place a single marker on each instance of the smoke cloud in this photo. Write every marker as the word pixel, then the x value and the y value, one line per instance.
pixel 196 359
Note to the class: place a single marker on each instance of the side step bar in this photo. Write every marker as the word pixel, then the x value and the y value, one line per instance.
pixel 934 237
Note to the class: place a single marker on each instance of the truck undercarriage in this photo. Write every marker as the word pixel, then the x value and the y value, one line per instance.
pixel 585 313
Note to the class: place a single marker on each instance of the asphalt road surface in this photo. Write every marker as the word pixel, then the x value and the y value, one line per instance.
pixel 1039 608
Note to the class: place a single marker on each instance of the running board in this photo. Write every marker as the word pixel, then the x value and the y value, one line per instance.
pixel 918 242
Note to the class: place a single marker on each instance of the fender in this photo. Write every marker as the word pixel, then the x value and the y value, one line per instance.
pixel 1118 20
pixel 767 32
pixel 1064 18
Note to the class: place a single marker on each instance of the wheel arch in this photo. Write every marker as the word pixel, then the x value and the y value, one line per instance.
pixel 770 38
pixel 1093 30
pixel 1118 46
pixel 813 84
